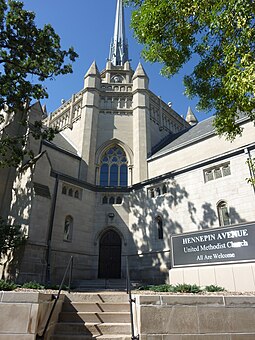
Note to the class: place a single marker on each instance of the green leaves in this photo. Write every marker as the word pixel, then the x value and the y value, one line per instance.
pixel 11 237
pixel 221 34
pixel 28 56
pixel 26 50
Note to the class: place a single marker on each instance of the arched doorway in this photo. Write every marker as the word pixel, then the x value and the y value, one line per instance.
pixel 109 266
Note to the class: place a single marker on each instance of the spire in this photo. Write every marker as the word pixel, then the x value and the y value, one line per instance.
pixel 191 118
pixel 119 48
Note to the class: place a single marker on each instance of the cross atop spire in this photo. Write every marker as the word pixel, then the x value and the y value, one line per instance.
pixel 119 48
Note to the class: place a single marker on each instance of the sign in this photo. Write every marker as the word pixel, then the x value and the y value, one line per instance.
pixel 214 246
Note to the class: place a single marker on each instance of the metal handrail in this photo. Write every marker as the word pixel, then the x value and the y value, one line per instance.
pixel 56 297
pixel 128 286
pixel 133 337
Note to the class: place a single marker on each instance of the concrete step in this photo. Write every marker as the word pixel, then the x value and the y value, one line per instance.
pixel 90 337
pixel 97 297
pixel 100 284
pixel 93 329
pixel 122 317
pixel 83 307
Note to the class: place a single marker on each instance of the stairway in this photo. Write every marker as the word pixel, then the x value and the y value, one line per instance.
pixel 99 284
pixel 102 315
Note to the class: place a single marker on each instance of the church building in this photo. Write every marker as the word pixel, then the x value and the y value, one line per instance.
pixel 124 174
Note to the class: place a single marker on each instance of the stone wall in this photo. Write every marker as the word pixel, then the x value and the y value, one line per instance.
pixel 24 314
pixel 180 317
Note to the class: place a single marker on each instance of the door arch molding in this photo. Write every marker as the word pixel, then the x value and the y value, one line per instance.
pixel 101 232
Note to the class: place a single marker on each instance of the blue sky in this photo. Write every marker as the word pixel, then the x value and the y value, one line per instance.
pixel 88 27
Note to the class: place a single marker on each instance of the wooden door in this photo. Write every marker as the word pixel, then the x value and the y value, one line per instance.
pixel 110 256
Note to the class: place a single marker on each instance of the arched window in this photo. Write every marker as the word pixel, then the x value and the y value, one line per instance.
pixel 111 200
pixel 158 191
pixel 70 192
pixel 152 193
pixel 159 227
pixel 164 189
pixel 223 213
pixel 64 190
pixel 105 200
pixel 68 228
pixel 113 168
pixel 118 200
pixel 76 194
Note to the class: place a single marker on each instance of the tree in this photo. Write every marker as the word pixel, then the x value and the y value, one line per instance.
pixel 221 35
pixel 28 56
pixel 251 165
pixel 11 237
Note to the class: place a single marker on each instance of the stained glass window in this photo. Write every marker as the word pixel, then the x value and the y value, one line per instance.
pixel 104 174
pixel 113 169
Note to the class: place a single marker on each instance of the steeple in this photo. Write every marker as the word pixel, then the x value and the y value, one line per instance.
pixel 119 48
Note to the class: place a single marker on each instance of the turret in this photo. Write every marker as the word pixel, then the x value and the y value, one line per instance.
pixel 92 77
pixel 191 118
pixel 140 78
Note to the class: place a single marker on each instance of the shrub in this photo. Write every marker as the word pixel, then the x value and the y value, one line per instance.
pixel 213 288
pixel 158 288
pixel 7 285
pixel 187 288
pixel 32 285
pixel 56 287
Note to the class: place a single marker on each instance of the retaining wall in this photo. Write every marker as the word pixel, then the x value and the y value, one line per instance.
pixel 24 314
pixel 182 317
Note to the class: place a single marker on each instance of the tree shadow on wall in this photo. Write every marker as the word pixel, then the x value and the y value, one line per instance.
pixel 235 217
pixel 155 262
pixel 20 210
pixel 209 217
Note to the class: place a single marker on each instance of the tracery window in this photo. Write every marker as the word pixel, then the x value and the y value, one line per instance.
pixel 223 213
pixel 160 189
pixel 71 191
pixel 113 169
pixel 112 199
pixel 216 172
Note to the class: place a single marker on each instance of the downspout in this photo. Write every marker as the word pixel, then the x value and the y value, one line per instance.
pixel 249 160
pixel 49 238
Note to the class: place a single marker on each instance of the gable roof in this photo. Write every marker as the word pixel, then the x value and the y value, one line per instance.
pixel 61 143
pixel 191 135
pixel 185 137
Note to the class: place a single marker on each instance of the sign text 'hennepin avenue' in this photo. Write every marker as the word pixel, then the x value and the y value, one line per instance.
pixel 226 241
